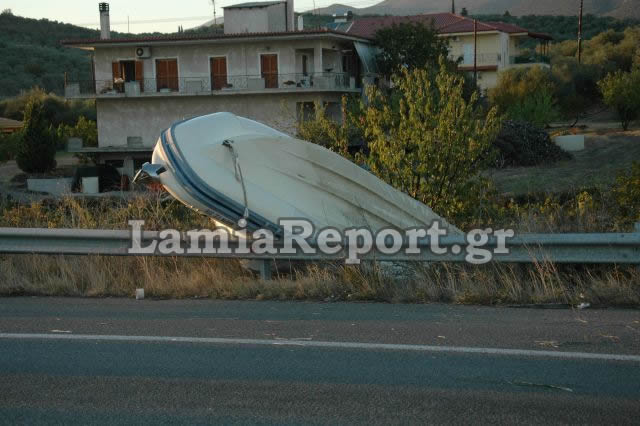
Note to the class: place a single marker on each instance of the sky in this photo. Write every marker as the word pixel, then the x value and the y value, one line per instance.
pixel 166 16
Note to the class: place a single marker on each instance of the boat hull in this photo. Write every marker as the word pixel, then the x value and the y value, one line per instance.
pixel 232 168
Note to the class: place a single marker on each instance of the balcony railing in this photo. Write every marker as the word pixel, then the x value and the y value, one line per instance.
pixel 209 85
pixel 481 59
pixel 533 58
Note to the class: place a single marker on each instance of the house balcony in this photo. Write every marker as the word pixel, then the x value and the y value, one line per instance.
pixel 216 86
pixel 483 62
pixel 528 60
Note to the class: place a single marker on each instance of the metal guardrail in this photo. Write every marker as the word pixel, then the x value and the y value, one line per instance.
pixel 198 85
pixel 607 248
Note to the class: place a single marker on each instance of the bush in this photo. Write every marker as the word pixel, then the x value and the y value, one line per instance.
pixel 576 86
pixel 526 94
pixel 627 194
pixel 85 129
pixel 523 144
pixel 428 141
pixel 621 91
pixel 9 146
pixel 37 149
pixel 57 110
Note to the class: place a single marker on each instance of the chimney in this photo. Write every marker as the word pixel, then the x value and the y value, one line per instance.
pixel 290 16
pixel 105 25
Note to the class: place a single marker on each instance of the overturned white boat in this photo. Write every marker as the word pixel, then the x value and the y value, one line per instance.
pixel 239 171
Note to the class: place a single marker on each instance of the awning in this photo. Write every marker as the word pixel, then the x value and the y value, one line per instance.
pixel 367 54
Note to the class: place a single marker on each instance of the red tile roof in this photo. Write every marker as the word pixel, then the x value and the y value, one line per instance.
pixel 444 23
pixel 204 37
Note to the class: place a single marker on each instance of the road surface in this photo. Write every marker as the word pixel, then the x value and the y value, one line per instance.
pixel 79 361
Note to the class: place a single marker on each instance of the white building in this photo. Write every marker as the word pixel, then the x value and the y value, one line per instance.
pixel 487 48
pixel 260 67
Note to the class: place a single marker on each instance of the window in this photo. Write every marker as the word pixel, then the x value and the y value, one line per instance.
pixel 269 70
pixel 305 111
pixel 167 75
pixel 127 71
pixel 305 65
pixel 218 73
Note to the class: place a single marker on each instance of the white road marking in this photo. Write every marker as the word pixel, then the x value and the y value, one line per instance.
pixel 321 344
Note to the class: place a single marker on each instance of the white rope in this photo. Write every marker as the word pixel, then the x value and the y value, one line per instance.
pixel 238 175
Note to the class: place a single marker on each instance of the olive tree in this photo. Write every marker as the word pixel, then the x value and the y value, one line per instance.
pixel 425 139
pixel 620 91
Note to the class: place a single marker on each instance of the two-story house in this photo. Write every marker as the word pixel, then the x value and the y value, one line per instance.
pixel 486 47
pixel 261 67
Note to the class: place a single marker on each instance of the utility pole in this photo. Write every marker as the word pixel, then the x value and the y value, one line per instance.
pixel 475 52
pixel 580 33
pixel 453 6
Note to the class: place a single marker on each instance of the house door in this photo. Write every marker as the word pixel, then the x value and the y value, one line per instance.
pixel 218 73
pixel 269 70
pixel 167 75
pixel 468 53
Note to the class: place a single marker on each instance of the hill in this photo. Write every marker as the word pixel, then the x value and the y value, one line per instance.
pixel 33 56
pixel 614 8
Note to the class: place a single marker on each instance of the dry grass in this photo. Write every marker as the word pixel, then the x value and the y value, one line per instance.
pixel 596 166
pixel 225 279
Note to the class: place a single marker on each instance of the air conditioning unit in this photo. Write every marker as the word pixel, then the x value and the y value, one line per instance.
pixel 143 52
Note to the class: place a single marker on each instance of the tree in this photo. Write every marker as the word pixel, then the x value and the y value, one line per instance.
pixel 620 91
pixel 408 45
pixel 428 141
pixel 526 94
pixel 37 149
pixel 506 14
pixel 464 12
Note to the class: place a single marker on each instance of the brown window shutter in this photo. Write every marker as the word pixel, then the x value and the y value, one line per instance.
pixel 172 65
pixel 269 64
pixel 218 73
pixel 140 74
pixel 115 67
pixel 161 74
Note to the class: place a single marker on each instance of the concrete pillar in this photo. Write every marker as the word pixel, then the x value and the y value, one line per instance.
pixel 317 60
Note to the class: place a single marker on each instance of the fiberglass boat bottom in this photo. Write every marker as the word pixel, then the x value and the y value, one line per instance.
pixel 238 170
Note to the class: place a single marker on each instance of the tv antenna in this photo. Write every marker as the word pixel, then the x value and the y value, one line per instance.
pixel 215 20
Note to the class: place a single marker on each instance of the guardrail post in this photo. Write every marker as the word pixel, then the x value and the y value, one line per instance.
pixel 636 229
pixel 265 270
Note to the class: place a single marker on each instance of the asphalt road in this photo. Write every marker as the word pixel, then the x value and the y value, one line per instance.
pixel 79 361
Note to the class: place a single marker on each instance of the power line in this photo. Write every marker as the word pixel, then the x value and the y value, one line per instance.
pixel 149 21
pixel 580 33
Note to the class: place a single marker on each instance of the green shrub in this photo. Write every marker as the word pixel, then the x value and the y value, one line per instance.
pixel 56 109
pixel 85 129
pixel 621 91
pixel 37 149
pixel 526 94
pixel 627 194
pixel 9 146
pixel 425 139
pixel 523 144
